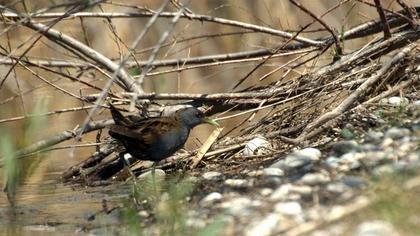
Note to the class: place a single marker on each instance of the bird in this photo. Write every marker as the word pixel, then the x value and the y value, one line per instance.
pixel 156 138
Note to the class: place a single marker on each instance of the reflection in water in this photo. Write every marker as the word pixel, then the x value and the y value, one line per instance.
pixel 42 206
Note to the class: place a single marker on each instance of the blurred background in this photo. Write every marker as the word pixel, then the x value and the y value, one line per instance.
pixel 22 91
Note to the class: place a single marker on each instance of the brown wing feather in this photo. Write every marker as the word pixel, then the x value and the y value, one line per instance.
pixel 145 131
pixel 119 119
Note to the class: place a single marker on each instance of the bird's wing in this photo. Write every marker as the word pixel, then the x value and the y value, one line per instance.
pixel 145 131
pixel 119 119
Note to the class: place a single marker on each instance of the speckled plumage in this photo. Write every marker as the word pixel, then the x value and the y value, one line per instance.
pixel 155 138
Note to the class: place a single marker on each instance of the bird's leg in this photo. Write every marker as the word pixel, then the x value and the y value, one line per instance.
pixel 126 164
pixel 154 177
pixel 122 159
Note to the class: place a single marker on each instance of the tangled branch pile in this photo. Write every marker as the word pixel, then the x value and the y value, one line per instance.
pixel 293 110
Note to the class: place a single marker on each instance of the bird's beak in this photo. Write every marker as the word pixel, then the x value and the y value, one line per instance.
pixel 211 121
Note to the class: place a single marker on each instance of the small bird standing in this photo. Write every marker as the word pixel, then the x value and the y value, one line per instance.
pixel 156 138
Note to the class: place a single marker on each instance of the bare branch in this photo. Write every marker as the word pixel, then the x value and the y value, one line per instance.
pixel 190 16
pixel 66 135
pixel 385 26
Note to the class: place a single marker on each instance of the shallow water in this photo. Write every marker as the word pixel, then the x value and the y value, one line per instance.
pixel 50 207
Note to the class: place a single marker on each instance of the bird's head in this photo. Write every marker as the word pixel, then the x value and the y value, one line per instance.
pixel 192 117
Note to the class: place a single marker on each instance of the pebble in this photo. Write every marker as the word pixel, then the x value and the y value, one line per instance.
pixel 376 228
pixel 337 187
pixel 290 192
pixel 288 208
pixel 195 222
pixel 315 178
pixel 257 146
pixel 273 172
pixel 398 101
pixel 383 170
pixel 387 142
pixel 352 159
pixel 332 162
pixel 397 133
pixel 342 147
pixel 99 231
pixel 237 206
pixel 266 191
pixel 39 228
pixel 367 147
pixel 264 227
pixel 298 159
pixel 281 193
pixel 413 157
pixel 347 133
pixel 158 174
pixel 331 230
pixel 405 148
pixel 211 198
pixel 240 206
pixel 374 158
pixel 312 153
pixel 237 183
pixel 192 179
pixel 255 173
pixel 374 136
pixel 212 175
pixel 143 214
pixel 354 181
pixel 303 190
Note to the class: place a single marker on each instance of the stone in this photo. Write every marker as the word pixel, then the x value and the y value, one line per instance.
pixel 374 136
pixel 240 206
pixel 398 101
pixel 303 190
pixel 39 228
pixel 312 153
pixel 332 162
pixel 387 142
pixel 369 147
pixel 354 181
pixel 298 159
pixel 281 193
pixel 383 170
pixel 376 228
pixel 237 183
pixel 351 159
pixel 315 179
pixel 212 175
pixel 290 192
pixel 265 226
pixel 210 199
pixel 159 174
pixel 288 208
pixel 273 172
pixel 397 133
pixel 375 158
pixel 266 191
pixel 257 146
pixel 337 187
pixel 195 222
pixel 342 147
pixel 255 173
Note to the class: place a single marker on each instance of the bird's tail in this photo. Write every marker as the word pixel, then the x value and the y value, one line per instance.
pixel 119 119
